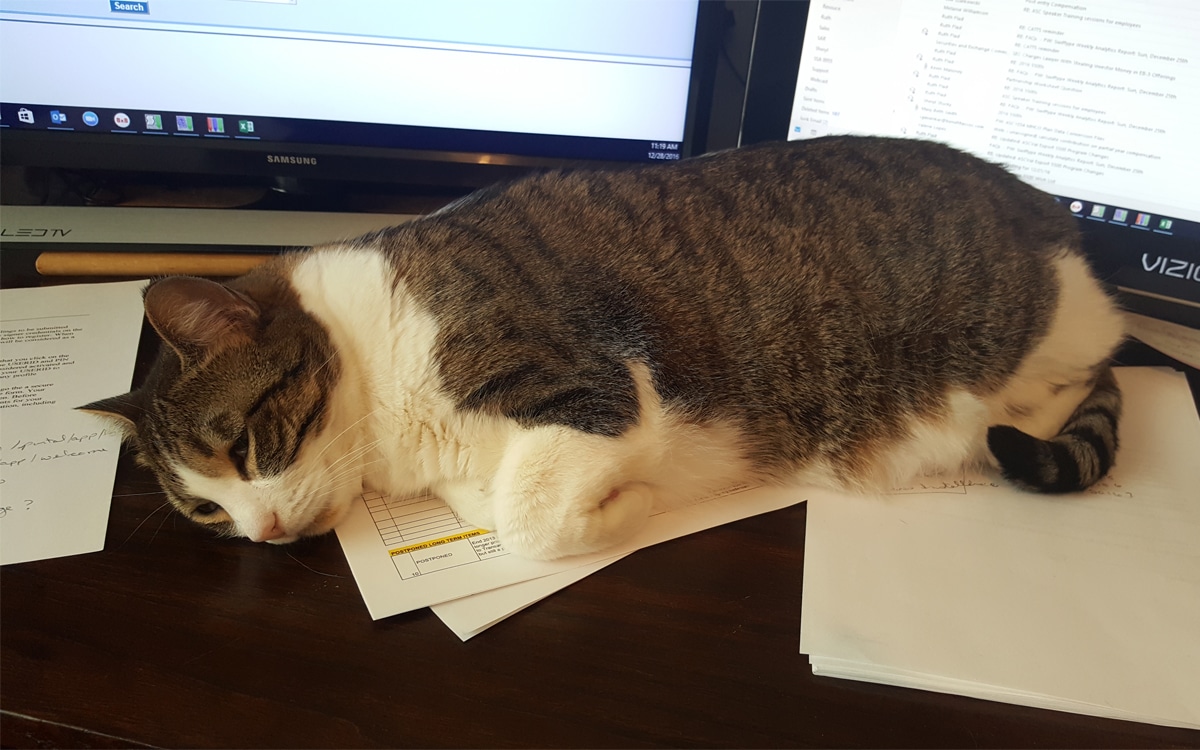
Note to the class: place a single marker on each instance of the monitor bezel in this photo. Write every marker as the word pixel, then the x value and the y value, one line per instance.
pixel 245 162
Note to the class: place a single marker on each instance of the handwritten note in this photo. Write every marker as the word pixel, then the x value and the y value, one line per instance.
pixel 60 347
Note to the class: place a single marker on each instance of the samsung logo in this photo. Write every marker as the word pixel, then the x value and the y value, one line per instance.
pixel 308 161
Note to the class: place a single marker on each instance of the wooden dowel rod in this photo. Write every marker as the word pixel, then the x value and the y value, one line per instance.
pixel 146 264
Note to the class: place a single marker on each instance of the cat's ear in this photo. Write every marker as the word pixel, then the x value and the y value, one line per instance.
pixel 120 412
pixel 198 317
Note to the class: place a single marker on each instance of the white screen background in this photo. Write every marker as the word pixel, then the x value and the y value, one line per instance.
pixel 1094 99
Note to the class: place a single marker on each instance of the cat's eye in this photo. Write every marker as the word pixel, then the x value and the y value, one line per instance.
pixel 239 450
pixel 206 509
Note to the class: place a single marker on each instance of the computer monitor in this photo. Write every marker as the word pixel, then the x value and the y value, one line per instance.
pixel 443 92
pixel 1097 103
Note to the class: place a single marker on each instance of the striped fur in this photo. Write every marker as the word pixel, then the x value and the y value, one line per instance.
pixel 1077 457
pixel 560 357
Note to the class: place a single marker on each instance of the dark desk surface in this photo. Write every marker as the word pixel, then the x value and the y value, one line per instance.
pixel 172 638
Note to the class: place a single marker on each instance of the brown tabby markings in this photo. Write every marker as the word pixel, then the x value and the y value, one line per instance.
pixel 555 355
pixel 208 395
pixel 960 290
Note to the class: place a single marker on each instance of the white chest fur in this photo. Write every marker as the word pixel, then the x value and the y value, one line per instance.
pixel 390 396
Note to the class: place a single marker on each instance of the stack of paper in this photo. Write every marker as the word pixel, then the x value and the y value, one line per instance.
pixel 1087 603
pixel 408 553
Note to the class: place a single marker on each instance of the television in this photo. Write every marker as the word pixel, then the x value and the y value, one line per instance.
pixel 1095 103
pixel 433 93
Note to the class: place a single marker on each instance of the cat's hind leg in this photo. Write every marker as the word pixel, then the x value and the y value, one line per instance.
pixel 562 492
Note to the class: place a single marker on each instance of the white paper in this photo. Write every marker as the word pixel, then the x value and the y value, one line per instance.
pixel 61 347
pixel 471 615
pixel 439 559
pixel 1086 603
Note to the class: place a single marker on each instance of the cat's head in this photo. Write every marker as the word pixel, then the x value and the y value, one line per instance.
pixel 237 416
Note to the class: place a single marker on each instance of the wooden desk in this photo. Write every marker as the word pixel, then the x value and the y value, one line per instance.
pixel 172 638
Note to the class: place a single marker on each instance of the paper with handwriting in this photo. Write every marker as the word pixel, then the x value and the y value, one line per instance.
pixel 61 347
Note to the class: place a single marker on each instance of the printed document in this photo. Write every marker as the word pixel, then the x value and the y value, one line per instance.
pixel 408 553
pixel 61 347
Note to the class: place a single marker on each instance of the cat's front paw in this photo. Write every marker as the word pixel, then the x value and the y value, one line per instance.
pixel 543 531
pixel 470 499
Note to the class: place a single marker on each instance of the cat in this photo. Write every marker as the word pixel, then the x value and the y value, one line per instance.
pixel 561 356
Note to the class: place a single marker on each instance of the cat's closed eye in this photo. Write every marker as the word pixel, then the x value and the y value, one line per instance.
pixel 238 452
pixel 207 509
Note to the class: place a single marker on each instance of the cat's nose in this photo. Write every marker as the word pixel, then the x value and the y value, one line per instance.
pixel 267 528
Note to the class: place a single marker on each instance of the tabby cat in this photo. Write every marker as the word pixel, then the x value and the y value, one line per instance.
pixel 559 356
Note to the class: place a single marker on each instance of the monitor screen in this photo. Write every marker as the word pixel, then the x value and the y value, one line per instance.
pixel 332 87
pixel 1095 102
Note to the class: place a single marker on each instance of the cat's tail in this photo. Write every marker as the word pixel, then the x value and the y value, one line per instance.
pixel 1078 457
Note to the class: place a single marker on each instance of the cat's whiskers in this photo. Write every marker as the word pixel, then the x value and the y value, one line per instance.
pixel 353 453
pixel 330 575
pixel 351 472
pixel 341 474
pixel 149 515
pixel 161 524
pixel 349 427
pixel 350 465
pixel 324 364
pixel 328 360
pixel 327 491
pixel 138 494
pixel 349 462
pixel 345 471
pixel 352 458
pixel 329 484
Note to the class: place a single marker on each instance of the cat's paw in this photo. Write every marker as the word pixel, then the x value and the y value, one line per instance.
pixel 575 528
pixel 470 499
